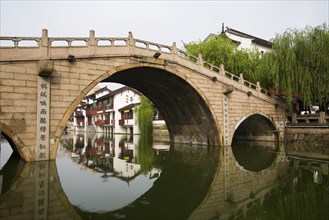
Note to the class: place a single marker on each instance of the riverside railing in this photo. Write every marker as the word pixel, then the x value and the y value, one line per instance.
pixel 309 120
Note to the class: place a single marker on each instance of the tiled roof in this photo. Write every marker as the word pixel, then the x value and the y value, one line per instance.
pixel 130 106
pixel 256 40
pixel 232 31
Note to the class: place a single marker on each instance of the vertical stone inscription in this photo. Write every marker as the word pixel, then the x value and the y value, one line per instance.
pixel 226 125
pixel 42 149
pixel 41 190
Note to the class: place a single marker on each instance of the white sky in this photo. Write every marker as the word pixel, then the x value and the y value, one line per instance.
pixel 162 22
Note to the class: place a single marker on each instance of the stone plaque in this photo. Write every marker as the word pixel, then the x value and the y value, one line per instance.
pixel 42 149
pixel 226 123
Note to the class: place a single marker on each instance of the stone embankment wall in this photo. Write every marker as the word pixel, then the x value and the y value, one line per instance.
pixel 318 135
pixel 160 132
pixel 292 134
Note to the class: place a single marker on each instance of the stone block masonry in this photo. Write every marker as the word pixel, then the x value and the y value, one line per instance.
pixel 308 135
pixel 188 91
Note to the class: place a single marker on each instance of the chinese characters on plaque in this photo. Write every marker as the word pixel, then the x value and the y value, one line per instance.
pixel 42 149
pixel 226 124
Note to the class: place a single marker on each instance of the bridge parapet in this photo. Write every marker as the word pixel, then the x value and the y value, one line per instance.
pixel 53 48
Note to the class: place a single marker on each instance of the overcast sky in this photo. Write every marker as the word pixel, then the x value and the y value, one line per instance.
pixel 162 22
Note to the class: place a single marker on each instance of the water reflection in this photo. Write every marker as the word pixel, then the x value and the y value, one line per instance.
pixel 235 189
pixel 255 155
pixel 120 167
pixel 98 177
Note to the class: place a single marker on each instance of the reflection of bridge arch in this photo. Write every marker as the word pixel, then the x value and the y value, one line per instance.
pixel 35 193
pixel 164 200
pixel 220 188
pixel 235 190
pixel 255 156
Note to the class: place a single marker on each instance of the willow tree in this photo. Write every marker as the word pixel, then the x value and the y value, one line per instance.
pixel 222 50
pixel 299 63
pixel 145 113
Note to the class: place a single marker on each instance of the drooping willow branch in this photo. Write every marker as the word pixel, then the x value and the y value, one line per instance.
pixel 299 63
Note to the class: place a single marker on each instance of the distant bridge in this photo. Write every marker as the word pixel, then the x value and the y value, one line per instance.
pixel 42 80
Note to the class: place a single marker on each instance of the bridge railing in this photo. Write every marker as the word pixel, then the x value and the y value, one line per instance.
pixel 16 42
pixel 55 44
pixel 318 120
pixel 240 79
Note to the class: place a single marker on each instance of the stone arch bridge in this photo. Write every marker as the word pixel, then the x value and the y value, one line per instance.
pixel 42 80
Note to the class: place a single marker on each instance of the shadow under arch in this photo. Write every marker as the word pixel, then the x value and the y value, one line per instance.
pixel 190 120
pixel 255 126
pixel 14 141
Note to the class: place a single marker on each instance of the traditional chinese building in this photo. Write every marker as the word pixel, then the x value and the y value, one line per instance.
pixel 108 111
pixel 243 40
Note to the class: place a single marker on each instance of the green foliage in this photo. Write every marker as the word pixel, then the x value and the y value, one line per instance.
pixel 145 113
pixel 309 201
pixel 145 156
pixel 299 62
pixel 221 50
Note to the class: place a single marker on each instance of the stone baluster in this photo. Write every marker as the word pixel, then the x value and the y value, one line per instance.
pixel 241 79
pixel 258 88
pixel 44 44
pixel 222 70
pixel 322 117
pixel 16 42
pixel 200 60
pixel 92 42
pixel 131 42
pixel 174 51
pixel 294 118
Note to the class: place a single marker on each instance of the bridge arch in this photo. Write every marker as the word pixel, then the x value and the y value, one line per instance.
pixel 15 141
pixel 255 126
pixel 188 115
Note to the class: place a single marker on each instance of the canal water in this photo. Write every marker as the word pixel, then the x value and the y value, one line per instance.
pixel 127 177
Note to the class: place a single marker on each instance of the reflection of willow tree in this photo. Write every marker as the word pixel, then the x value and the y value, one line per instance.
pixel 145 113
pixel 306 200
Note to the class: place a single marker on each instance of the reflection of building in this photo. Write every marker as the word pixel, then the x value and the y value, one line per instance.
pixel 115 156
pixel 108 111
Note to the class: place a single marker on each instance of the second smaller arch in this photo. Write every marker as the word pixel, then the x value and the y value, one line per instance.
pixel 255 127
